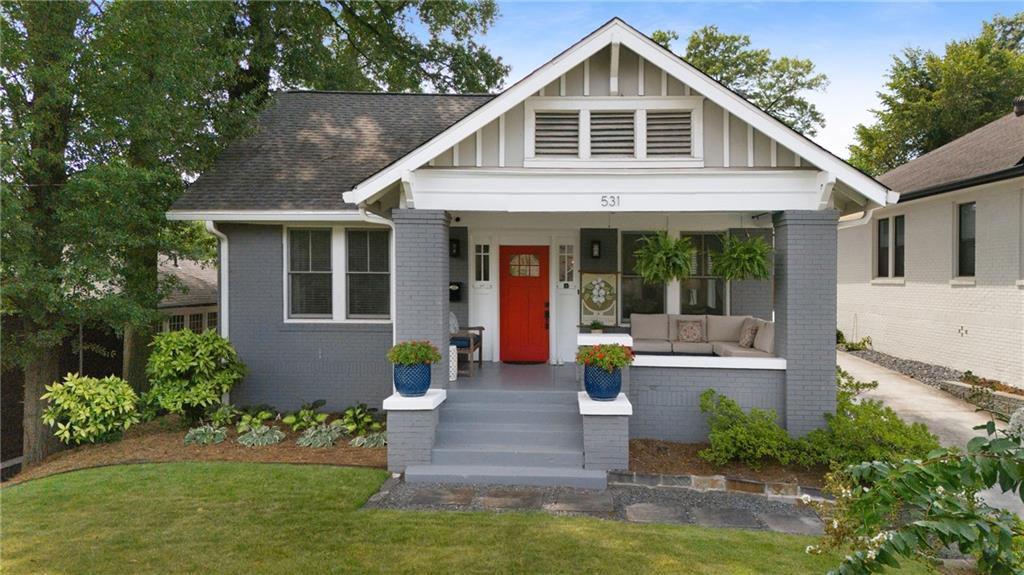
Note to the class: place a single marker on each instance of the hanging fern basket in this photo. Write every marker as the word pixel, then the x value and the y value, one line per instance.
pixel 661 258
pixel 742 258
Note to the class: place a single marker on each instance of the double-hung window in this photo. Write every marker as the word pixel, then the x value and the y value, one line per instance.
pixel 638 296
pixel 890 247
pixel 704 291
pixel 965 237
pixel 369 274
pixel 309 273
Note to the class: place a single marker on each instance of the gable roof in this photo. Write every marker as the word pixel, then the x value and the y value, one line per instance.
pixel 198 283
pixel 618 31
pixel 309 147
pixel 990 150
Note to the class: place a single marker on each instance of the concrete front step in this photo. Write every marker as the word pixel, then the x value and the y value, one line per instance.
pixel 495 413
pixel 511 434
pixel 508 397
pixel 506 475
pixel 506 455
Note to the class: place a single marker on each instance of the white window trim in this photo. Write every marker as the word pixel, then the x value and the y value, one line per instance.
pixel 339 276
pixel 957 279
pixel 187 312
pixel 692 104
pixel 891 278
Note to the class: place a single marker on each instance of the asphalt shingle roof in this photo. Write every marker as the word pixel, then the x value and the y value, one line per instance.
pixel 994 147
pixel 310 147
pixel 197 287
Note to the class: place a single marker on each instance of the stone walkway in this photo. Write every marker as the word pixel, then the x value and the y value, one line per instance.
pixel 951 419
pixel 620 503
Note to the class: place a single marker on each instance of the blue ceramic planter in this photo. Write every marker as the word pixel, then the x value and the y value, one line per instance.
pixel 412 380
pixel 601 385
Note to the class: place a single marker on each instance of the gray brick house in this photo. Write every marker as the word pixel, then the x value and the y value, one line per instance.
pixel 350 221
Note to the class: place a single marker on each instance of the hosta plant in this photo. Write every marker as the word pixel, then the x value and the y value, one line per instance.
pixel 742 258
pixel 359 420
pixel 662 258
pixel 378 439
pixel 320 435
pixel 261 436
pixel 253 419
pixel 887 511
pixel 205 435
pixel 191 371
pixel 306 417
pixel 88 410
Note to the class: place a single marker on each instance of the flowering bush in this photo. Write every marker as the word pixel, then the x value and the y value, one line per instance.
pixel 608 357
pixel 413 352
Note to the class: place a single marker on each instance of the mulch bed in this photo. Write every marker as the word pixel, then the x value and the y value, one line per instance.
pixel 670 458
pixel 162 441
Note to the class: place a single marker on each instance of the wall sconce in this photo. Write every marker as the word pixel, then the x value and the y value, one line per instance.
pixel 595 249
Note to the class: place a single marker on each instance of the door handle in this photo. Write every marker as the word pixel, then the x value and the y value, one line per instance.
pixel 547 315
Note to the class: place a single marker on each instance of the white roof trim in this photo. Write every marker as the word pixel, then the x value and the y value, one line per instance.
pixel 617 31
pixel 353 215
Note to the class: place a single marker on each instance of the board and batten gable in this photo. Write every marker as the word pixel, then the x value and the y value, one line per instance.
pixel 727 141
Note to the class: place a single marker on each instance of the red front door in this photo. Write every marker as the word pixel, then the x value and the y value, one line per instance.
pixel 524 303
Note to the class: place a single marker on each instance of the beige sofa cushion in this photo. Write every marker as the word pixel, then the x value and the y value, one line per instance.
pixel 733 349
pixel 765 340
pixel 725 327
pixel 703 348
pixel 648 326
pixel 673 325
pixel 652 346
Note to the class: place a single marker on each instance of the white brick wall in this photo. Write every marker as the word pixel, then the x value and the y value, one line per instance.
pixel 977 327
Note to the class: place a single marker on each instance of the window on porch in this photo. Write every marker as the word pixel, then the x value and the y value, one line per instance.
pixel 703 292
pixel 637 295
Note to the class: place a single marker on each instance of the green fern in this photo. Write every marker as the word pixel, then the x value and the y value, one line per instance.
pixel 661 259
pixel 742 258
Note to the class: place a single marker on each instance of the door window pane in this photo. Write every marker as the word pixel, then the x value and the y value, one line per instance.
pixel 965 237
pixel 482 253
pixel 524 265
pixel 899 225
pixel 882 253
pixel 566 264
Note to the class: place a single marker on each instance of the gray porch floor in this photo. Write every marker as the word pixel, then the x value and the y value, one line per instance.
pixel 538 377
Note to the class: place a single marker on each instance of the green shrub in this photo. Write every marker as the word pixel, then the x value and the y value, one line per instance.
pixel 307 416
pixel 377 439
pixel 862 345
pixel 321 435
pixel 205 435
pixel 189 371
pixel 752 438
pixel 261 436
pixel 253 419
pixel 413 352
pixel 840 337
pixel 87 409
pixel 358 420
pixel 223 415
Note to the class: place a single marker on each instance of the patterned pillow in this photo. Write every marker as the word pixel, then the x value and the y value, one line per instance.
pixel 689 331
pixel 748 332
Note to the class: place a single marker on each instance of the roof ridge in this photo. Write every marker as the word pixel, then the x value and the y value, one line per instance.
pixel 366 93
pixel 950 143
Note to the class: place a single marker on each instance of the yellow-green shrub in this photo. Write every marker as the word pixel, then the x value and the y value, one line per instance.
pixel 87 409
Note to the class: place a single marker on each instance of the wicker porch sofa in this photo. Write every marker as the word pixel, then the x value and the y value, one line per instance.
pixel 658 334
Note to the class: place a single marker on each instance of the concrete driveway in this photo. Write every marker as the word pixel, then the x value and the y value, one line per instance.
pixel 951 419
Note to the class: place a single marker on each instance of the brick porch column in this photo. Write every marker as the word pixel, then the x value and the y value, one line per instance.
pixel 421 282
pixel 805 314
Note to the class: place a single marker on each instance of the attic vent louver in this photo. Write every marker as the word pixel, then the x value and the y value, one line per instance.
pixel 669 133
pixel 557 133
pixel 611 134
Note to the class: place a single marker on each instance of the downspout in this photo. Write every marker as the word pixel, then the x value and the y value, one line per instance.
pixel 222 276
pixel 394 270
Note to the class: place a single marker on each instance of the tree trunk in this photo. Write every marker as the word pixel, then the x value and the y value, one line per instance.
pixel 38 440
pixel 142 286
pixel 135 356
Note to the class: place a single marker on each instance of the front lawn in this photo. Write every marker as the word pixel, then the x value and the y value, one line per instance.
pixel 263 518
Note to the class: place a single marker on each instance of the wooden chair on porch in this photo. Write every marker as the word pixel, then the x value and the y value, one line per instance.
pixel 468 341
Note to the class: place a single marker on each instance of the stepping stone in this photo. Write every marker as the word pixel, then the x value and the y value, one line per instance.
pixel 443 496
pixel 797 524
pixel 510 499
pixel 581 502
pixel 725 517
pixel 654 513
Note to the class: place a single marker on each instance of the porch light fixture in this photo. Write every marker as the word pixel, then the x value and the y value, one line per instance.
pixel 595 249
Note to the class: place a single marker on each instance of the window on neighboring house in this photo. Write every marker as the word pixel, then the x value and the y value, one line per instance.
pixel 882 251
pixel 965 239
pixel 175 323
pixel 211 320
pixel 309 273
pixel 638 296
pixel 482 255
pixel 195 322
pixel 703 292
pixel 566 264
pixel 369 274
pixel 898 246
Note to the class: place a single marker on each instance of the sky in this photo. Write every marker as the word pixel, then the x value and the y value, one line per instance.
pixel 851 42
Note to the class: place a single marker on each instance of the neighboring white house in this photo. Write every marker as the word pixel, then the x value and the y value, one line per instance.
pixel 193 301
pixel 939 277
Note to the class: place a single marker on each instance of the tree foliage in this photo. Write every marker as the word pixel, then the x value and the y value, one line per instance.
pixel 932 99
pixel 776 85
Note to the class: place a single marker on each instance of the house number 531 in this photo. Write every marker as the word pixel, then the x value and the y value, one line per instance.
pixel 610 201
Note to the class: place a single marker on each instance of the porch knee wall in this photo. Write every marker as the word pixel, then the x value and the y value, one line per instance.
pixel 805 314
pixel 421 285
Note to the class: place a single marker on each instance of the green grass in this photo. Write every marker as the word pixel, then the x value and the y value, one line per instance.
pixel 253 518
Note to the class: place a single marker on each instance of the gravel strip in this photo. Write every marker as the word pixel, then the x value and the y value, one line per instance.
pixel 926 373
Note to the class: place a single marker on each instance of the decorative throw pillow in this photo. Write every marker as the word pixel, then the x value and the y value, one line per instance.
pixel 748 332
pixel 453 323
pixel 689 331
